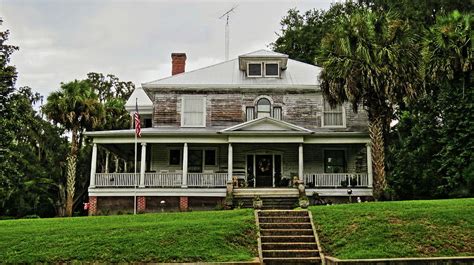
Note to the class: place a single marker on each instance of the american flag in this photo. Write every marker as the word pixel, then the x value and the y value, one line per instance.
pixel 138 129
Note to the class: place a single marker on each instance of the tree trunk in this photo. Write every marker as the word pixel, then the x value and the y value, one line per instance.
pixel 71 174
pixel 376 125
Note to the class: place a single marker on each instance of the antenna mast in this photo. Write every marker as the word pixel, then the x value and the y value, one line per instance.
pixel 227 14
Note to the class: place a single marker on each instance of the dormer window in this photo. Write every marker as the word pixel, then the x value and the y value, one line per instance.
pixel 254 70
pixel 263 69
pixel 272 70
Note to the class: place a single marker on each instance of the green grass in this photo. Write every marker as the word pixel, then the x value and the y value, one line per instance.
pixel 166 237
pixel 397 229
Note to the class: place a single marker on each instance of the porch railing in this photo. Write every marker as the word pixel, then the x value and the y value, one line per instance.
pixel 116 179
pixel 163 179
pixel 207 179
pixel 169 180
pixel 336 180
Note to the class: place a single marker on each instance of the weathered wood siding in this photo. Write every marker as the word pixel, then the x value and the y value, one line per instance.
pixel 225 109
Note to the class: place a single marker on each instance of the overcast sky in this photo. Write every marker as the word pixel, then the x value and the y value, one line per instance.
pixel 63 40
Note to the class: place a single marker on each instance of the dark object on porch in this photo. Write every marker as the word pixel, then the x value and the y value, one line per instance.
pixel 318 200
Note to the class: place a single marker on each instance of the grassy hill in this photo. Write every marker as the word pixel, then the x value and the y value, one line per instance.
pixel 397 229
pixel 183 237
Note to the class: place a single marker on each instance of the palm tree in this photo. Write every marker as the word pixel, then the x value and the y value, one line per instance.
pixel 370 60
pixel 76 107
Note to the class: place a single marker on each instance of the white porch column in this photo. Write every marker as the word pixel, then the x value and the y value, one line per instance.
pixel 300 162
pixel 230 161
pixel 107 153
pixel 369 165
pixel 143 166
pixel 125 166
pixel 93 165
pixel 185 166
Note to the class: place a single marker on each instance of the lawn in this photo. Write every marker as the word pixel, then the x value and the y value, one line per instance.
pixel 397 229
pixel 166 237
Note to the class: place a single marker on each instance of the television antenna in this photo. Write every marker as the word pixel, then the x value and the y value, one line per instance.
pixel 226 15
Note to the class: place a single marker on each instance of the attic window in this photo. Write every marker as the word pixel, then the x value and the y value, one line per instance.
pixel 271 70
pixel 254 69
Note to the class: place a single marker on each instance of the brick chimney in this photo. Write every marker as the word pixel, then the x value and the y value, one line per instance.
pixel 178 62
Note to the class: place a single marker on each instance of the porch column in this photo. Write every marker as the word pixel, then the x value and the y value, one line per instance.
pixel 230 161
pixel 369 165
pixel 184 184
pixel 107 153
pixel 143 166
pixel 300 162
pixel 125 166
pixel 93 165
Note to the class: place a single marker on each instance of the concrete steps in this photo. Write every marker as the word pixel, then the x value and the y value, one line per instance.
pixel 287 237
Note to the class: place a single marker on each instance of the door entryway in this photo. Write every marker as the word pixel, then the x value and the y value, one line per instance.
pixel 263 170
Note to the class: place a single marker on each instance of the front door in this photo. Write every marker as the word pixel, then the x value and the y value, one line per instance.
pixel 264 170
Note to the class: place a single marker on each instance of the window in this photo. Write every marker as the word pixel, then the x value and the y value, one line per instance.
pixel 249 113
pixel 277 113
pixel 210 157
pixel 193 111
pixel 263 108
pixel 195 161
pixel 254 69
pixel 333 116
pixel 272 70
pixel 175 157
pixel 334 161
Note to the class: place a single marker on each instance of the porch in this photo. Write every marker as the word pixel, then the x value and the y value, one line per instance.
pixel 182 168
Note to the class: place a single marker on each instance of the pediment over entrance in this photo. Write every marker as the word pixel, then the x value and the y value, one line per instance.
pixel 266 124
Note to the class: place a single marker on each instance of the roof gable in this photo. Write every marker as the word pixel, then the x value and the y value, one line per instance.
pixel 139 97
pixel 265 125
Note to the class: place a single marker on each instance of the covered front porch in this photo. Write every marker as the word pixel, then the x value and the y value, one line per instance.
pixel 324 168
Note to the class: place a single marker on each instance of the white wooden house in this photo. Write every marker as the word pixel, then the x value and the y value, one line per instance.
pixel 260 118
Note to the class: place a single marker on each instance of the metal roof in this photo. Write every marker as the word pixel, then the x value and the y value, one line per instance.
pixel 228 74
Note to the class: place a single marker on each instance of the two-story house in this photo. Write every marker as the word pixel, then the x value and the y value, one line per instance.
pixel 260 119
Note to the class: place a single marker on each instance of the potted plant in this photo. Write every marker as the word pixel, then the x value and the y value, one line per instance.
pixel 304 202
pixel 257 202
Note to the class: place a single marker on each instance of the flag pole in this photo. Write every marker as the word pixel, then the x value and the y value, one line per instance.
pixel 135 167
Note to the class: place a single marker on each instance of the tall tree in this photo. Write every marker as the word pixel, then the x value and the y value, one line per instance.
pixel 77 108
pixel 370 59
pixel 433 154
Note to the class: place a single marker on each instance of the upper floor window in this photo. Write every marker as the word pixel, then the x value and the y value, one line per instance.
pixel 277 113
pixel 333 117
pixel 249 113
pixel 193 112
pixel 272 70
pixel 263 108
pixel 254 69
pixel 263 69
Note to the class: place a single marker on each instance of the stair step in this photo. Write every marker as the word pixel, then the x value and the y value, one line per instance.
pixel 289 245
pixel 286 219
pixel 285 232
pixel 289 253
pixel 282 213
pixel 292 260
pixel 288 225
pixel 266 239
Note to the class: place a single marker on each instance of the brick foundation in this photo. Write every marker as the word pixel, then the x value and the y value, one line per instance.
pixel 183 203
pixel 141 204
pixel 92 205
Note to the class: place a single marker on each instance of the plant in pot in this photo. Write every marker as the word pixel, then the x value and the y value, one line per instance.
pixel 257 202
pixel 304 202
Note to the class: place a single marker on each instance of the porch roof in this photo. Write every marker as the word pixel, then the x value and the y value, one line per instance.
pixel 216 131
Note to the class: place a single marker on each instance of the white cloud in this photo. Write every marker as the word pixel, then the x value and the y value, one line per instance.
pixel 64 40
